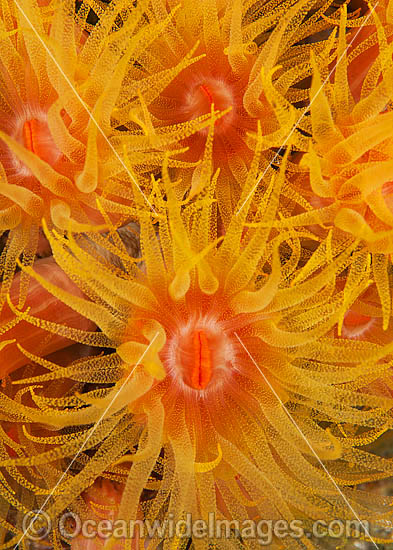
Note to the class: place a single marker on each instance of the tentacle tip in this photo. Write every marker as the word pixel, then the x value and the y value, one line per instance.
pixel 340 326
pixel 7 343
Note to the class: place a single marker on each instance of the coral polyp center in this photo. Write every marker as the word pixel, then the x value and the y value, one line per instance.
pixel 209 92
pixel 37 138
pixel 34 134
pixel 200 354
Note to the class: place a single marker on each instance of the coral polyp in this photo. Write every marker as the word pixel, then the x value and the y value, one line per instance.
pixel 56 101
pixel 46 306
pixel 194 93
pixel 219 69
pixel 211 368
pixel 349 161
pixel 196 243
pixel 102 502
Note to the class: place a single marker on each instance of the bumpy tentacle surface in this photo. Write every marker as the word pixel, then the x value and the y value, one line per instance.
pixel 214 338
pixel 237 364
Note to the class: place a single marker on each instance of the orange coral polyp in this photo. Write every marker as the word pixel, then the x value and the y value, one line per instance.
pixel 55 159
pixel 350 160
pixel 224 64
pixel 202 353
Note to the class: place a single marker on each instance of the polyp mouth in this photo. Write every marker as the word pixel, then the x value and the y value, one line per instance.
pixel 37 137
pixel 32 131
pixel 211 91
pixel 201 354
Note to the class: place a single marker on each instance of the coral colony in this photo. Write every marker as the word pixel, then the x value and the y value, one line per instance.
pixel 196 213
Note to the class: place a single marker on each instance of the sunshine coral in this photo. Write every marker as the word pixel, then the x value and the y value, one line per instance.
pixel 223 359
pixel 238 363
pixel 58 89
pixel 215 71
pixel 45 306
pixel 349 164
pixel 103 501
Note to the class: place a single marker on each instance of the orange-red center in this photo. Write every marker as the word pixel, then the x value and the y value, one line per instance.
pixel 356 324
pixel 200 355
pixel 36 137
pixel 198 100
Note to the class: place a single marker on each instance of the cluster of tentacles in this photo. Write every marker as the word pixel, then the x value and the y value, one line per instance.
pixel 196 215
